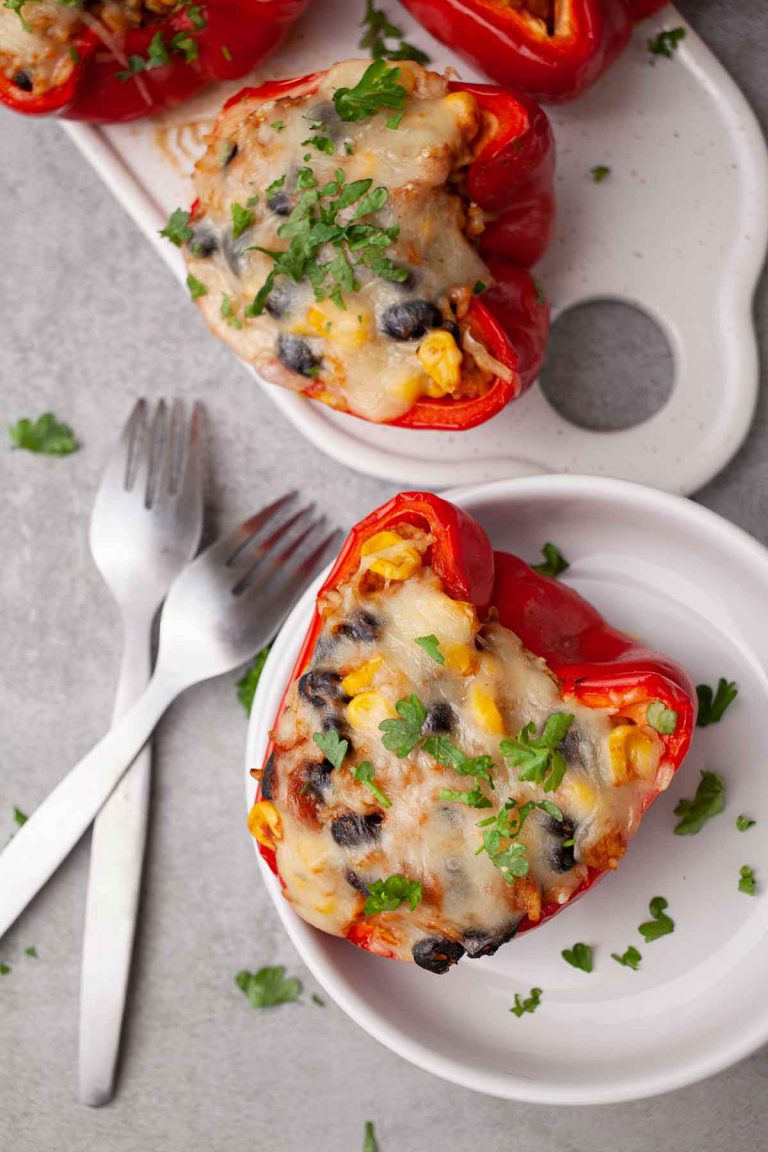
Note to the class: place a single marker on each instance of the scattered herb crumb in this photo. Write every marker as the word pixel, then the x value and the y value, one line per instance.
pixel 747 881
pixel 369 1138
pixel 630 959
pixel 196 287
pixel 660 925
pixel 713 705
pixel 269 987
pixel 4 969
pixel 744 823
pixel 529 1004
pixel 554 562
pixel 580 956
pixel 709 801
pixel 378 29
pixel 431 646
pixel 31 952
pixel 46 436
pixel 599 173
pixel 317 1000
pixel 20 817
pixel 666 43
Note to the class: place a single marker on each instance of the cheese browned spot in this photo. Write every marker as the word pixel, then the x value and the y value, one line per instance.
pixel 335 836
pixel 385 343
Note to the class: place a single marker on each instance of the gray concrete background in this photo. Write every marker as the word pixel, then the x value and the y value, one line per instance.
pixel 90 320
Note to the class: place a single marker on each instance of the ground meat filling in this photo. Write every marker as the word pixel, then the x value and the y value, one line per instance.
pixel 376 319
pixel 384 835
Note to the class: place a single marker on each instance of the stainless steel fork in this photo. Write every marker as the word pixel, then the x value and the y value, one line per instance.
pixel 145 527
pixel 223 607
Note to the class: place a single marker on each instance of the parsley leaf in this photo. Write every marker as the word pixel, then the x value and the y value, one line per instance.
pixel 747 882
pixel 249 681
pixel 712 705
pixel 473 799
pixel 379 30
pixel 317 1000
pixel 376 89
pixel 17 6
pixel 401 736
pixel 599 173
pixel 529 1004
pixel 20 817
pixel 46 436
pixel 195 14
pixel 580 956
pixel 554 562
pixel 227 312
pixel 332 747
pixel 665 44
pixel 4 969
pixel 630 959
pixel 159 53
pixel 431 646
pixel 242 218
pixel 177 229
pixel 744 823
pixel 196 287
pixel 369 1138
pixel 387 895
pixel 31 952
pixel 661 925
pixel 268 987
pixel 538 757
pixel 663 719
pixel 321 143
pixel 709 801
pixel 447 754
pixel 500 834
pixel 365 774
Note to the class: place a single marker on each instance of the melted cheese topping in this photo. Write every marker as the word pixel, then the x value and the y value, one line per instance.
pixel 333 837
pixel 360 357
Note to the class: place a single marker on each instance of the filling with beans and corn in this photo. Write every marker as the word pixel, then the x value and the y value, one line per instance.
pixel 37 52
pixel 428 786
pixel 331 242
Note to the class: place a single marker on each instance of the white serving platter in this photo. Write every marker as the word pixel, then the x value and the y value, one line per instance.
pixel 693 585
pixel 678 230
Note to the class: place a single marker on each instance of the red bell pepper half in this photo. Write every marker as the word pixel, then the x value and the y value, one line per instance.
pixel 592 661
pixel 182 53
pixel 549 49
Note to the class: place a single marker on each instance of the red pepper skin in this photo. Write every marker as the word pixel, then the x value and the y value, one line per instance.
pixel 249 30
pixel 517 51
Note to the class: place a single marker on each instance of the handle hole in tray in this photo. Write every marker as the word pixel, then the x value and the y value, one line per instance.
pixel 609 366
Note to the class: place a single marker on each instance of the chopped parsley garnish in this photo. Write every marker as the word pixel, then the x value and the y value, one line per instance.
pixel 529 1004
pixel 31 952
pixel 226 52
pixel 317 1000
pixel 712 705
pixel 401 736
pixel 177 230
pixel 275 186
pixel 479 287
pixel 45 436
pixel 195 14
pixel 538 757
pixel 554 562
pixel 387 895
pixel 541 296
pixel 365 774
pixel 249 681
pixel 73 54
pixel 431 646
pixel 599 173
pixel 19 817
pixel 278 126
pixel 709 801
pixel 663 719
pixel 268 987
pixel 376 90
pixel 475 798
pixel 4 968
pixel 228 313
pixel 744 823
pixel 747 882
pixel 196 287
pixel 332 746
pixel 17 6
pixel 242 218
pixel 660 925
pixel 379 29
pixel 630 959
pixel 447 754
pixel 321 143
pixel 665 44
pixel 159 53
pixel 500 834
pixel 369 1138
pixel 580 956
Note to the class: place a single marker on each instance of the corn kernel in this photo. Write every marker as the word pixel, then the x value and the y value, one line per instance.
pixel 362 678
pixel 633 753
pixel 402 559
pixel 464 107
pixel 349 328
pixel 440 357
pixel 264 823
pixel 460 658
pixel 406 386
pixel 582 796
pixel 366 710
pixel 485 709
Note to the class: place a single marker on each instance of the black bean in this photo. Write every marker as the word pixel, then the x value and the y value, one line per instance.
pixel 334 723
pixel 280 203
pixel 410 320
pixel 440 718
pixel 268 778
pixel 23 80
pixel 561 855
pixel 297 355
pixel 203 242
pixel 354 880
pixel 437 953
pixel 318 778
pixel 478 942
pixel 321 687
pixel 363 627
pixel 323 119
pixel 452 327
pixel 279 300
pixel 229 151
pixel 351 829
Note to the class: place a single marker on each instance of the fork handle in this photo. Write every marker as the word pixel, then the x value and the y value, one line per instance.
pixel 114 883
pixel 56 825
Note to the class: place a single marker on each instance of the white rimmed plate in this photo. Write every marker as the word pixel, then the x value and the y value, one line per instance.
pixel 695 586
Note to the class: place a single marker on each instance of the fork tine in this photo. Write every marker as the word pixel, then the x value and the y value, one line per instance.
pixel 117 472
pixel 188 491
pixel 224 551
pixel 168 453
pixel 144 453
pixel 248 560
pixel 298 578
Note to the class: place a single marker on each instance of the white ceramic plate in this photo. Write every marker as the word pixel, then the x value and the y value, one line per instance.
pixel 681 142
pixel 695 586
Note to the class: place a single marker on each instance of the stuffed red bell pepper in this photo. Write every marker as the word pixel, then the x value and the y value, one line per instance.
pixel 363 236
pixel 118 60
pixel 464 745
pixel 550 49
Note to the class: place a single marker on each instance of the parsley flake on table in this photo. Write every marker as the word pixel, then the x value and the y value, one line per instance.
pixel 709 801
pixel 661 718
pixel 629 959
pixel 599 173
pixel 31 952
pixel 317 1000
pixel 554 562
pixel 196 287
pixel 744 823
pixel 369 1138
pixel 249 681
pixel 387 895
pixel 376 90
pixel 747 881
pixel 537 757
pixel 332 746
pixel 365 774
pixel 660 925
pixel 431 646
pixel 401 736
pixel 177 228
pixel 713 705
pixel 378 30
pixel 665 44
pixel 242 218
pixel 580 956
pixel 269 987
pixel 500 834
pixel 46 436
pixel 19 817
pixel 4 969
pixel 529 1004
